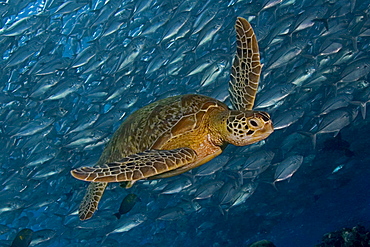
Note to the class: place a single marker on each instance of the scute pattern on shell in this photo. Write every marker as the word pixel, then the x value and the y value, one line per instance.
pixel 160 121
pixel 138 132
pixel 154 124
pixel 166 121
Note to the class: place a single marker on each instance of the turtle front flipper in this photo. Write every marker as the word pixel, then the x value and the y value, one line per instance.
pixel 137 166
pixel 246 69
pixel 91 200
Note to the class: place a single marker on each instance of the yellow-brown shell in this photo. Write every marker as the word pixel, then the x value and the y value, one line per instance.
pixel 170 123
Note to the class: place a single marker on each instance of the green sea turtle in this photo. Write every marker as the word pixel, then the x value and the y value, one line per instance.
pixel 176 134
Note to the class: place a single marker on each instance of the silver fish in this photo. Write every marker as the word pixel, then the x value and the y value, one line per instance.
pixel 227 193
pixel 23 53
pixel 244 193
pixel 361 99
pixel 269 4
pixel 308 17
pixel 329 47
pixel 84 57
pixel 179 54
pixel 274 95
pixel 176 186
pixel 207 190
pixel 186 6
pixel 336 102
pixel 61 90
pixel 48 171
pixel 34 127
pixel 258 160
pixel 132 51
pixel 154 25
pixel 42 236
pixel 209 31
pixel 334 121
pixel 287 167
pixel 69 7
pixel 170 214
pixel 41 158
pixel 286 55
pixel 201 64
pixel 129 223
pixel 25 25
pixel 84 137
pixel 95 63
pixel 54 66
pixel 213 166
pixel 113 27
pixel 157 62
pixel 204 18
pixel 143 5
pixel 174 26
pixel 280 28
pixel 287 118
pixel 189 206
pixel 43 85
pixel 213 72
pixel 108 10
pixel 84 123
pixel 356 70
pixel 9 204
pixel 301 74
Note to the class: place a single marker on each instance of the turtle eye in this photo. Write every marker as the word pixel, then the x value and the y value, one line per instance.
pixel 253 123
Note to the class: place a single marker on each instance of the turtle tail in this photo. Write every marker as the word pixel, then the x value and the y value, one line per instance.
pixel 91 200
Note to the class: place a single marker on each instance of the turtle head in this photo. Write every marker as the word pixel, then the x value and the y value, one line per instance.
pixel 242 128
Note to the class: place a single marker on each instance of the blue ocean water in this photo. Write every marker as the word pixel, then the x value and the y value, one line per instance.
pixel 72 71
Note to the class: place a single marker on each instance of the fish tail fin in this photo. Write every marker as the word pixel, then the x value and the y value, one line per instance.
pixel 221 209
pixel 348 153
pixel 118 215
pixel 314 141
pixel 362 106
pixel 224 211
pixel 274 185
pixel 91 200
pixel 324 21
pixel 312 136
pixel 363 110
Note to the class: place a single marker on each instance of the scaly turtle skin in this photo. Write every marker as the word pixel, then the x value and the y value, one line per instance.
pixel 177 134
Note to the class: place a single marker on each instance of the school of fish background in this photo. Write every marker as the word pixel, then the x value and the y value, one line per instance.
pixel 71 71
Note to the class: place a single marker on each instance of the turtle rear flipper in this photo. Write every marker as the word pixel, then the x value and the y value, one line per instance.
pixel 91 200
pixel 246 69
pixel 137 166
